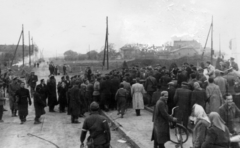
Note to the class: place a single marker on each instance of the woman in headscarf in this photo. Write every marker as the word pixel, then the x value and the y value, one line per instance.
pixel 201 125
pixel 199 95
pixel 218 135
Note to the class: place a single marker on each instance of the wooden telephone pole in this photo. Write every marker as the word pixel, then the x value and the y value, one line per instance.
pixel 106 47
pixel 23 43
pixel 212 51
pixel 29 52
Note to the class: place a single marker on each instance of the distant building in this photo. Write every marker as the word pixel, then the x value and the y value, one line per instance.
pixel 186 43
pixel 183 52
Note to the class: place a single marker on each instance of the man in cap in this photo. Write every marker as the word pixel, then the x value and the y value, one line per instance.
pixel 182 99
pixel 150 86
pixel 32 81
pixel 23 99
pixel 42 90
pixel 75 102
pixel 52 94
pixel 13 87
pixel 233 64
pixel 161 119
pixel 98 127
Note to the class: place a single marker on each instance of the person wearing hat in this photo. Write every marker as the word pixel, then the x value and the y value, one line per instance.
pixel 182 99
pixel 171 92
pixel 39 105
pixel 98 128
pixel 221 82
pixel 23 99
pixel 52 94
pixel 137 92
pixel 43 90
pixel 75 102
pixel 161 119
pixel 233 64
pixel 32 81
pixel 150 86
pixel 13 87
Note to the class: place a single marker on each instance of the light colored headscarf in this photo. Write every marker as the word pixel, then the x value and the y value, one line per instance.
pixel 217 120
pixel 199 113
pixel 196 85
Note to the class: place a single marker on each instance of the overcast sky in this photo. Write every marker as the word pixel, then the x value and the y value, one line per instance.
pixel 60 25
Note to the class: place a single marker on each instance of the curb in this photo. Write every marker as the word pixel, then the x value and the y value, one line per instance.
pixel 121 131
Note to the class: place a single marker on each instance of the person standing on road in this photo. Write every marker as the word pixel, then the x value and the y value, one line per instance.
pixel 23 99
pixel 62 93
pixel 13 87
pixel 214 96
pixel 64 69
pixel 32 81
pixel 39 105
pixel 98 127
pixel 150 86
pixel 182 99
pixel 137 91
pixel 121 98
pixel 161 119
pixel 52 94
pixel 43 90
pixel 75 102
pixel 96 88
pixel 127 86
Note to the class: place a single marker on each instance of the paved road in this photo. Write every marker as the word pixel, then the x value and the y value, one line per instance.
pixel 56 128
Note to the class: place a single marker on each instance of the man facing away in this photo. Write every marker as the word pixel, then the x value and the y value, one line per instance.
pixel 98 127
pixel 23 99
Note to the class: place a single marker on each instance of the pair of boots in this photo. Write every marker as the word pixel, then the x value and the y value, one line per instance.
pixel 23 119
pixel 14 113
pixel 138 112
pixel 75 119
pixel 37 121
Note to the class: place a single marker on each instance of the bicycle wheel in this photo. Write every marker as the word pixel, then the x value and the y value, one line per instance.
pixel 179 134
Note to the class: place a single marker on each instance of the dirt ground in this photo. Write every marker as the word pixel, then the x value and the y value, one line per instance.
pixel 55 131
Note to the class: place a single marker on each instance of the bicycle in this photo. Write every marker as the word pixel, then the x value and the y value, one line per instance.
pixel 180 132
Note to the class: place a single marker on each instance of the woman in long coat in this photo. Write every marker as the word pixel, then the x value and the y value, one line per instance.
pixel 137 91
pixel 39 105
pixel 214 96
pixel 52 94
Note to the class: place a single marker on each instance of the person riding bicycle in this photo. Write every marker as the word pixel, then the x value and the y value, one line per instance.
pixel 161 119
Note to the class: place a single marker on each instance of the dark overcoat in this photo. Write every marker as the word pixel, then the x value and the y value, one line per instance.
pixel 43 91
pixel 23 99
pixel 39 104
pixel 52 94
pixel 199 97
pixel 161 120
pixel 182 99
pixel 62 92
pixel 75 100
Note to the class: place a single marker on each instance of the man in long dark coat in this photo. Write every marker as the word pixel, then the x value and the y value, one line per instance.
pixel 150 86
pixel 161 120
pixel 105 88
pixel 32 81
pixel 52 94
pixel 171 92
pixel 39 105
pixel 23 99
pixel 43 90
pixel 182 99
pixel 115 82
pixel 62 93
pixel 75 102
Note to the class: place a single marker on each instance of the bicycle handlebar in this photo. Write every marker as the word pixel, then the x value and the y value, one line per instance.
pixel 174 110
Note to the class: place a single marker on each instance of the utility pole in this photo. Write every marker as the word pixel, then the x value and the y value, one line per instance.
pixel 23 43
pixel 107 46
pixel 29 52
pixel 212 52
pixel 32 47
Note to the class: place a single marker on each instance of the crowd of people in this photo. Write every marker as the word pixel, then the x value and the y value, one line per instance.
pixel 210 95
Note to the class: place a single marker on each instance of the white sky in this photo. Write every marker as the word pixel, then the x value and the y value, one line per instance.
pixel 60 25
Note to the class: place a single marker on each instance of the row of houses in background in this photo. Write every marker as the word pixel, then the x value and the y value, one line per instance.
pixel 179 49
